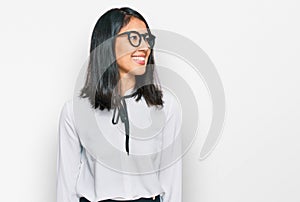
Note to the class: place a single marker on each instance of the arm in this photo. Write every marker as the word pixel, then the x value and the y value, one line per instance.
pixel 68 157
pixel 171 177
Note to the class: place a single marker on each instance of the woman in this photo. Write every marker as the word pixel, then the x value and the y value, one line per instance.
pixel 120 84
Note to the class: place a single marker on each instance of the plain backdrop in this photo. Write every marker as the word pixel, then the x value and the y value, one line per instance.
pixel 254 45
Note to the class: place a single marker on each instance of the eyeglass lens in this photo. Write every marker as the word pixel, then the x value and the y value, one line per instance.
pixel 135 39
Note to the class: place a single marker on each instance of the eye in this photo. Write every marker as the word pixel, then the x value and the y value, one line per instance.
pixel 147 38
pixel 134 37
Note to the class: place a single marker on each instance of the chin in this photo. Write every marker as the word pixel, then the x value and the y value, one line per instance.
pixel 138 71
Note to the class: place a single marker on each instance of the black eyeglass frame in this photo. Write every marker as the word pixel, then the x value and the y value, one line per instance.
pixel 151 37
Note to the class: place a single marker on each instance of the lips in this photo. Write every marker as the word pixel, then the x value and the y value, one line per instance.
pixel 139 59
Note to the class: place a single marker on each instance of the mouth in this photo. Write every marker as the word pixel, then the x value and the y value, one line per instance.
pixel 139 59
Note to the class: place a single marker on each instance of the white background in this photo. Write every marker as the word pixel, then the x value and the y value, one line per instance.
pixel 254 45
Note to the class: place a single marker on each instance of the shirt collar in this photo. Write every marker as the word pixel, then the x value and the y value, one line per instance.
pixel 129 91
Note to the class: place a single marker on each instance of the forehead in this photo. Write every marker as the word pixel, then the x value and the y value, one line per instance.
pixel 136 25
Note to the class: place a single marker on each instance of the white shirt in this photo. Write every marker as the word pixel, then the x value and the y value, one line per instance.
pixel 81 173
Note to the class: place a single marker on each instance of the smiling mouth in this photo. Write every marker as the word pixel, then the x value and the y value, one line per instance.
pixel 141 60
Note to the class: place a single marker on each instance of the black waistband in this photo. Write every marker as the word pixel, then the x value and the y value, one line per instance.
pixel 156 199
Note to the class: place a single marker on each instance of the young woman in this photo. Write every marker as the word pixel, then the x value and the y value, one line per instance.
pixel 121 85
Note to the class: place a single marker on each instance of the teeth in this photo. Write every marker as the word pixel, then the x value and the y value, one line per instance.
pixel 138 58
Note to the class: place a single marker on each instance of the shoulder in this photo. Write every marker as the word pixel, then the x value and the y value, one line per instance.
pixel 67 106
pixel 171 102
pixel 75 111
pixel 66 113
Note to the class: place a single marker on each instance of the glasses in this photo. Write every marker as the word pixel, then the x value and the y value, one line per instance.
pixel 135 38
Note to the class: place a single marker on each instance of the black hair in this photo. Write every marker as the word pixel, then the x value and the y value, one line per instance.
pixel 102 71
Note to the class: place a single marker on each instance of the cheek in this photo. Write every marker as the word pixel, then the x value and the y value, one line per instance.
pixel 148 55
pixel 124 61
pixel 122 50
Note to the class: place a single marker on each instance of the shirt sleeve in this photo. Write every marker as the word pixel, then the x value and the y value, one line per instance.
pixel 171 177
pixel 68 156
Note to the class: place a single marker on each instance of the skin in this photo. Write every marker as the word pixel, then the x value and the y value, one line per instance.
pixel 125 54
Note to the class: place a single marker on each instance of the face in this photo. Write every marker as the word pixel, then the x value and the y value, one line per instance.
pixel 132 60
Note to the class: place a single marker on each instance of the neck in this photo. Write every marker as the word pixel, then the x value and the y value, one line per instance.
pixel 127 81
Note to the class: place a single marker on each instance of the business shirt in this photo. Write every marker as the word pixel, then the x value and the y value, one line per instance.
pixel 82 172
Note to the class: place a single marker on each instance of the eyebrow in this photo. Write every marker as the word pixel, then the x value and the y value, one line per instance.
pixel 123 33
pixel 146 31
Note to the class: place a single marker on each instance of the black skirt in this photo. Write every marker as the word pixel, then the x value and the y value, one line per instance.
pixel 157 199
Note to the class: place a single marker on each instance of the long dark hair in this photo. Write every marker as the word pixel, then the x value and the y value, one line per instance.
pixel 102 72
